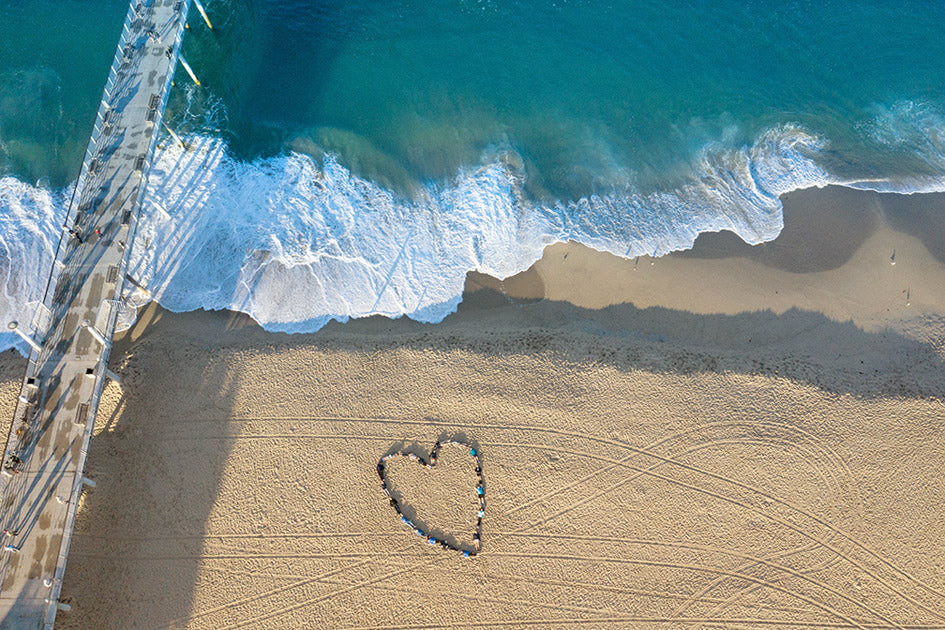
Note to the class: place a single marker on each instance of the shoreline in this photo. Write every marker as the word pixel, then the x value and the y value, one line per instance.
pixel 816 244
pixel 793 307
pixel 826 292
pixel 855 277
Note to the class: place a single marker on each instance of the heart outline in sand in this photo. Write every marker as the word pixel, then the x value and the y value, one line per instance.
pixel 480 493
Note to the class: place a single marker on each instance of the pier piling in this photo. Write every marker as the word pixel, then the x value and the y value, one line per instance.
pixel 203 13
pixel 189 70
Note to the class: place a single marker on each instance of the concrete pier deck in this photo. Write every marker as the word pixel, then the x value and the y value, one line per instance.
pixel 49 438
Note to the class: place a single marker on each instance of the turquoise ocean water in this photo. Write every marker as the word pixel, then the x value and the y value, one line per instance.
pixel 355 157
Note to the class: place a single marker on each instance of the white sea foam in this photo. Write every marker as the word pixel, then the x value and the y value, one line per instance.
pixel 30 217
pixel 295 244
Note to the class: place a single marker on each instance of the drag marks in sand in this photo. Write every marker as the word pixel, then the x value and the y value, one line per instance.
pixel 667 552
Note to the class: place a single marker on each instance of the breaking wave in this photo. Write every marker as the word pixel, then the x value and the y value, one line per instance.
pixel 295 242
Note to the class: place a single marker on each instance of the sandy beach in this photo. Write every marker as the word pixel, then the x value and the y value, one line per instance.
pixel 726 437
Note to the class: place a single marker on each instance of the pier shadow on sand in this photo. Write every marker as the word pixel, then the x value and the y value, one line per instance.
pixel 921 216
pixel 144 532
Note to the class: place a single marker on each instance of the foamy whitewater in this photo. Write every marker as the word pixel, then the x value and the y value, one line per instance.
pixel 295 244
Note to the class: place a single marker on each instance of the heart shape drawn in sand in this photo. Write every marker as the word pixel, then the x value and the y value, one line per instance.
pixel 480 491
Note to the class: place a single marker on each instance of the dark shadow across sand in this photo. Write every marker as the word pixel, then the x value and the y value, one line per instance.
pixel 822 230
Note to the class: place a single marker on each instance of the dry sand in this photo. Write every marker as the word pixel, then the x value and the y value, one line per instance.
pixel 732 437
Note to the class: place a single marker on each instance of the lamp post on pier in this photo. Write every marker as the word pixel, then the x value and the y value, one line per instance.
pixel 15 327
pixel 99 337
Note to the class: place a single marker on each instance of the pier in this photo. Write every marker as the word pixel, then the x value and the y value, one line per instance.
pixel 70 336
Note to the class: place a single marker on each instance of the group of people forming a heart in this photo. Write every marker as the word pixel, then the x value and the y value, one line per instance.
pixel 480 493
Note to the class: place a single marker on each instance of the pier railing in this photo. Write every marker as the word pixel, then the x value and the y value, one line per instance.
pixel 65 375
pixel 135 12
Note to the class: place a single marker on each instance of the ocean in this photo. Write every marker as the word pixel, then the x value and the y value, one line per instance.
pixel 350 158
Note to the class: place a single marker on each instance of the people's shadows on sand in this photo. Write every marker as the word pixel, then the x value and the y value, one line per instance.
pixel 407 513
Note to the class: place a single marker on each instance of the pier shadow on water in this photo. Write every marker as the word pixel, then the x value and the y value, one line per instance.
pixel 269 62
